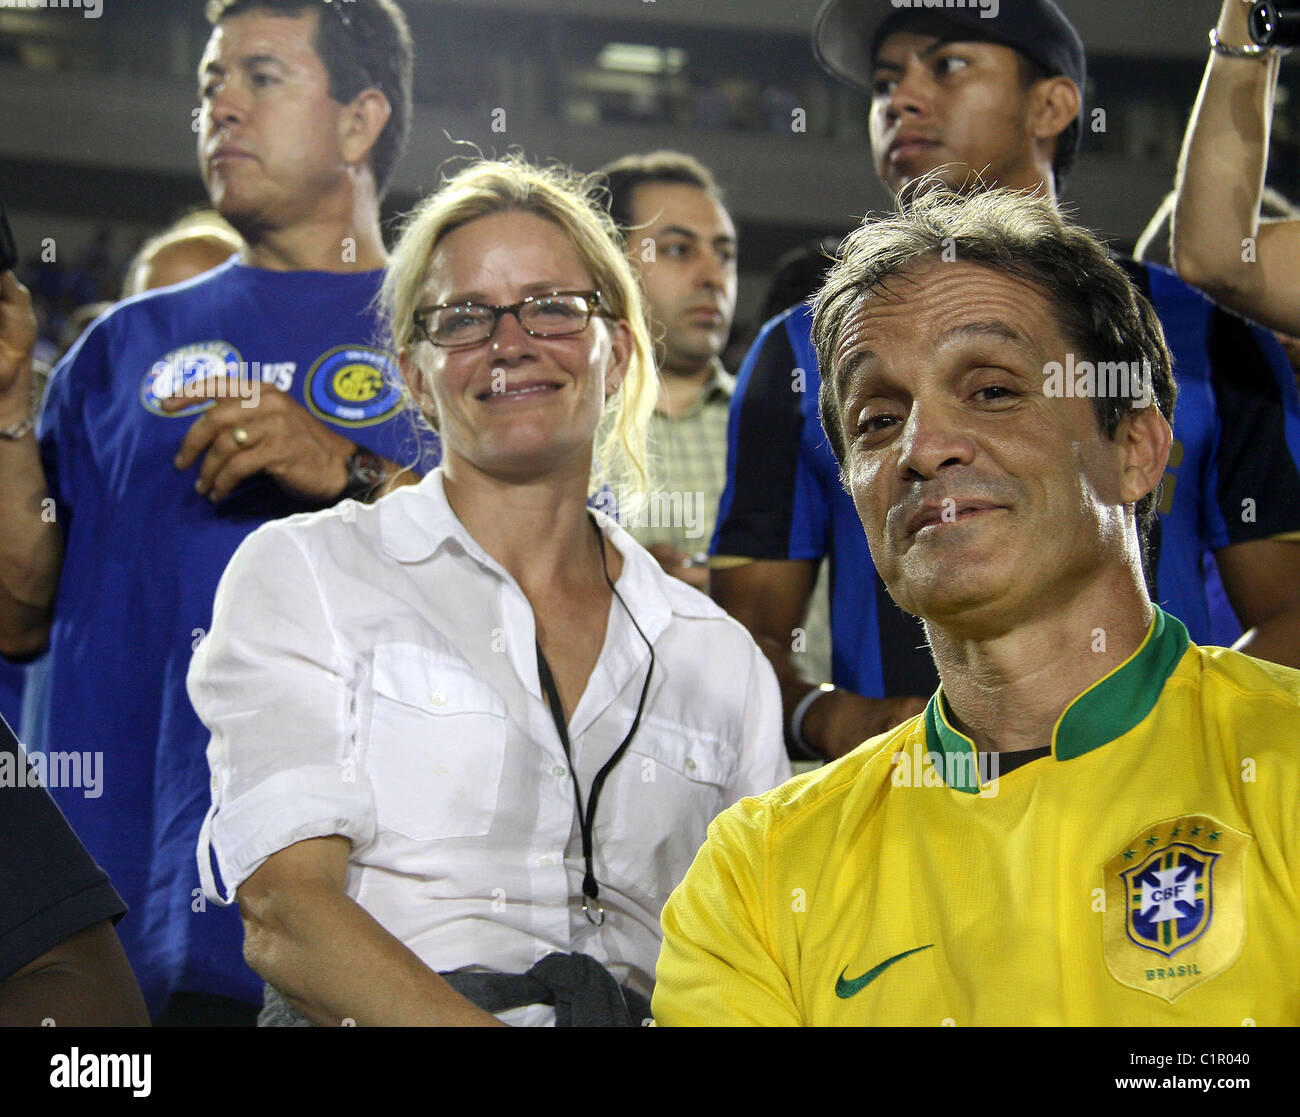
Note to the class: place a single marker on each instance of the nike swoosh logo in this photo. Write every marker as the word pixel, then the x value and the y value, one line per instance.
pixel 846 989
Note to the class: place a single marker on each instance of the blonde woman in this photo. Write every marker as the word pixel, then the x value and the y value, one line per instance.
pixel 469 738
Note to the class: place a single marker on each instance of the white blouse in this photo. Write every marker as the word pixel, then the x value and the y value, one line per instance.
pixel 372 672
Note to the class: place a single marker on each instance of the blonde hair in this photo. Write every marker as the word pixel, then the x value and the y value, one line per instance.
pixel 572 202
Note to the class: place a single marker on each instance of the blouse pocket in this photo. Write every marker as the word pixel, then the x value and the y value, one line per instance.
pixel 437 745
pixel 673 780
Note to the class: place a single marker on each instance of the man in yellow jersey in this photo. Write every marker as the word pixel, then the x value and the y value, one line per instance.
pixel 1094 821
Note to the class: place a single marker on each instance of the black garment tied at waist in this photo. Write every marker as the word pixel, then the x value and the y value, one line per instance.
pixel 584 993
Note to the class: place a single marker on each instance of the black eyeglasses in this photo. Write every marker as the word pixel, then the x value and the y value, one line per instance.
pixel 557 314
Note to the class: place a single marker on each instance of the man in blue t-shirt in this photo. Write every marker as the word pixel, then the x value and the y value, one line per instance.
pixel 981 97
pixel 182 420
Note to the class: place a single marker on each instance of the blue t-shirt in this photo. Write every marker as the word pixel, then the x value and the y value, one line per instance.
pixel 1232 478
pixel 11 692
pixel 144 552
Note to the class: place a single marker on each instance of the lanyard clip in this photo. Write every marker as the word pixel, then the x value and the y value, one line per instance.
pixel 590 891
pixel 600 910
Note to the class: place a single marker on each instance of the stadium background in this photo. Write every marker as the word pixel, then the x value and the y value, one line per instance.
pixel 97 150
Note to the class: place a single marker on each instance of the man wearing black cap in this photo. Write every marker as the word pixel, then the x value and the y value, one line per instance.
pixel 973 97
pixel 1023 56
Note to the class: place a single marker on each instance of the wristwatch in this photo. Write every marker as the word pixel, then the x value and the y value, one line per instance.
pixel 366 472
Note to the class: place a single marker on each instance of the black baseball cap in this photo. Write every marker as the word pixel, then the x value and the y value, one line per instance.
pixel 847 33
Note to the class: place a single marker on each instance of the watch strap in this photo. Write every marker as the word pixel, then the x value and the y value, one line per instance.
pixel 366 473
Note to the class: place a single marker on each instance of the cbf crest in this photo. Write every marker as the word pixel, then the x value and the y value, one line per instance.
pixel 1174 905
pixel 354 386
pixel 1171 898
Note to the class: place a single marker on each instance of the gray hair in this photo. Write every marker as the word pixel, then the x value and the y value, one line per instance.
pixel 1096 306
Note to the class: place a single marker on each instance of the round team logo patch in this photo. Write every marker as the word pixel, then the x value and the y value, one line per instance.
pixel 354 386
pixel 184 371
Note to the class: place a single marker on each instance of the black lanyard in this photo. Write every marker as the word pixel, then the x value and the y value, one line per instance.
pixel 587 817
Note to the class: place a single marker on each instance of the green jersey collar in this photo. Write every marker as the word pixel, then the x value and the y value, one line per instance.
pixel 1108 709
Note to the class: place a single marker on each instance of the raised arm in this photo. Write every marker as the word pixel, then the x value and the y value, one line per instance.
pixel 31 548
pixel 328 956
pixel 1219 242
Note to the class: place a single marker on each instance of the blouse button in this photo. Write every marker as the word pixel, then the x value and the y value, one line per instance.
pixel 438 698
pixel 690 764
pixel 559 770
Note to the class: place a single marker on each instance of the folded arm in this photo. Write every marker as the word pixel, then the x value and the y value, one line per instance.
pixel 328 956
pixel 1262 580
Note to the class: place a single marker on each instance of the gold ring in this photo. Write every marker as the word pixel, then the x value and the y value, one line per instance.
pixel 240 435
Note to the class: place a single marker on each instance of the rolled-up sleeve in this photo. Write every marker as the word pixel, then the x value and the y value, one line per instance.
pixel 276 689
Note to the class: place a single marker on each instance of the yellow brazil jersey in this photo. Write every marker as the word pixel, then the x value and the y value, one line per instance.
pixel 1146 873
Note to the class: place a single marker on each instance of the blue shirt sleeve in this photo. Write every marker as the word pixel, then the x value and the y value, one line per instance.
pixel 772 506
pixel 59 431
pixel 1256 451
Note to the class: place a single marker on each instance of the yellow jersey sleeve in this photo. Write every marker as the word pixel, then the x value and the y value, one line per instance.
pixel 717 966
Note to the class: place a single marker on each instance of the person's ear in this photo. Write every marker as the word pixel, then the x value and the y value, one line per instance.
pixel 620 344
pixel 1146 441
pixel 1054 104
pixel 361 123
pixel 415 384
